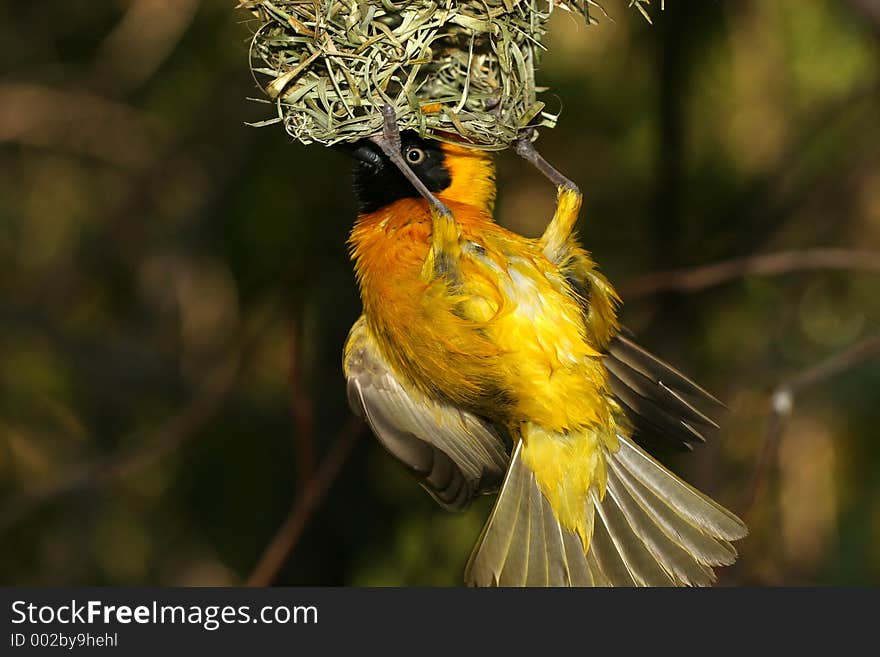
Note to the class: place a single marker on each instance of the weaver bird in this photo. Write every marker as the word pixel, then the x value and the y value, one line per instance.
pixel 486 361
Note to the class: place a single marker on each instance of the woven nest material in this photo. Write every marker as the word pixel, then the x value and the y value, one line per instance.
pixel 455 70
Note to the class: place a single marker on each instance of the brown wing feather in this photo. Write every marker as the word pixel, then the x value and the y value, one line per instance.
pixel 665 407
pixel 454 454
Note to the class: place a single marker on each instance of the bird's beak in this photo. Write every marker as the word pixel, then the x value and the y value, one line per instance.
pixel 362 151
pixel 370 151
pixel 390 145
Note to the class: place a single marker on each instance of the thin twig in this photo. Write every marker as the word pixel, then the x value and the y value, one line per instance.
pixel 301 404
pixel 870 11
pixel 152 447
pixel 143 40
pixel 855 355
pixel 777 419
pixel 782 403
pixel 695 279
pixel 283 543
pixel 91 125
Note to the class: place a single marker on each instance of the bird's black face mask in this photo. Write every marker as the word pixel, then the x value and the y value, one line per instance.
pixel 378 182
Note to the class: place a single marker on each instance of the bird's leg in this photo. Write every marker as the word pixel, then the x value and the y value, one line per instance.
pixel 568 198
pixel 389 142
pixel 443 257
pixel 445 233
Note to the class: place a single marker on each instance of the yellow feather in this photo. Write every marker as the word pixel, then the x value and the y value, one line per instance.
pixel 510 323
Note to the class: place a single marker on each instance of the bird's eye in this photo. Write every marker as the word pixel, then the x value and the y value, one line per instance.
pixel 415 155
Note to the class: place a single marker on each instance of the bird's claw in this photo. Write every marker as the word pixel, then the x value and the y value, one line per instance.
pixel 390 144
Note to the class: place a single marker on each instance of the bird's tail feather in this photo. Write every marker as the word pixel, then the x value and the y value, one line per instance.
pixel 649 529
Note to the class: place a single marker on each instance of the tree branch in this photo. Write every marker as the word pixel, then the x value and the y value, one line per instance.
pixel 304 505
pixel 695 279
pixel 870 11
pixel 301 405
pixel 141 42
pixel 180 429
pixel 104 471
pixel 782 404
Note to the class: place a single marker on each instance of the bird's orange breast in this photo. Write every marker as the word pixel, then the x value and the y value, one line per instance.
pixel 504 336
pixel 419 324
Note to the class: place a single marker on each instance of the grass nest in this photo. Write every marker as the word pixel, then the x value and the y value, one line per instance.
pixel 454 70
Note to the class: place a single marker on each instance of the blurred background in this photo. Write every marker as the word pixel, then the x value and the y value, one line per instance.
pixel 176 290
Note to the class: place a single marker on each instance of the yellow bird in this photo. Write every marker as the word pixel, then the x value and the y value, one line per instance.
pixel 487 360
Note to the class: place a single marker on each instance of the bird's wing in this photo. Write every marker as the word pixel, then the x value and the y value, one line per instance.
pixel 454 454
pixel 665 407
pixel 649 529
